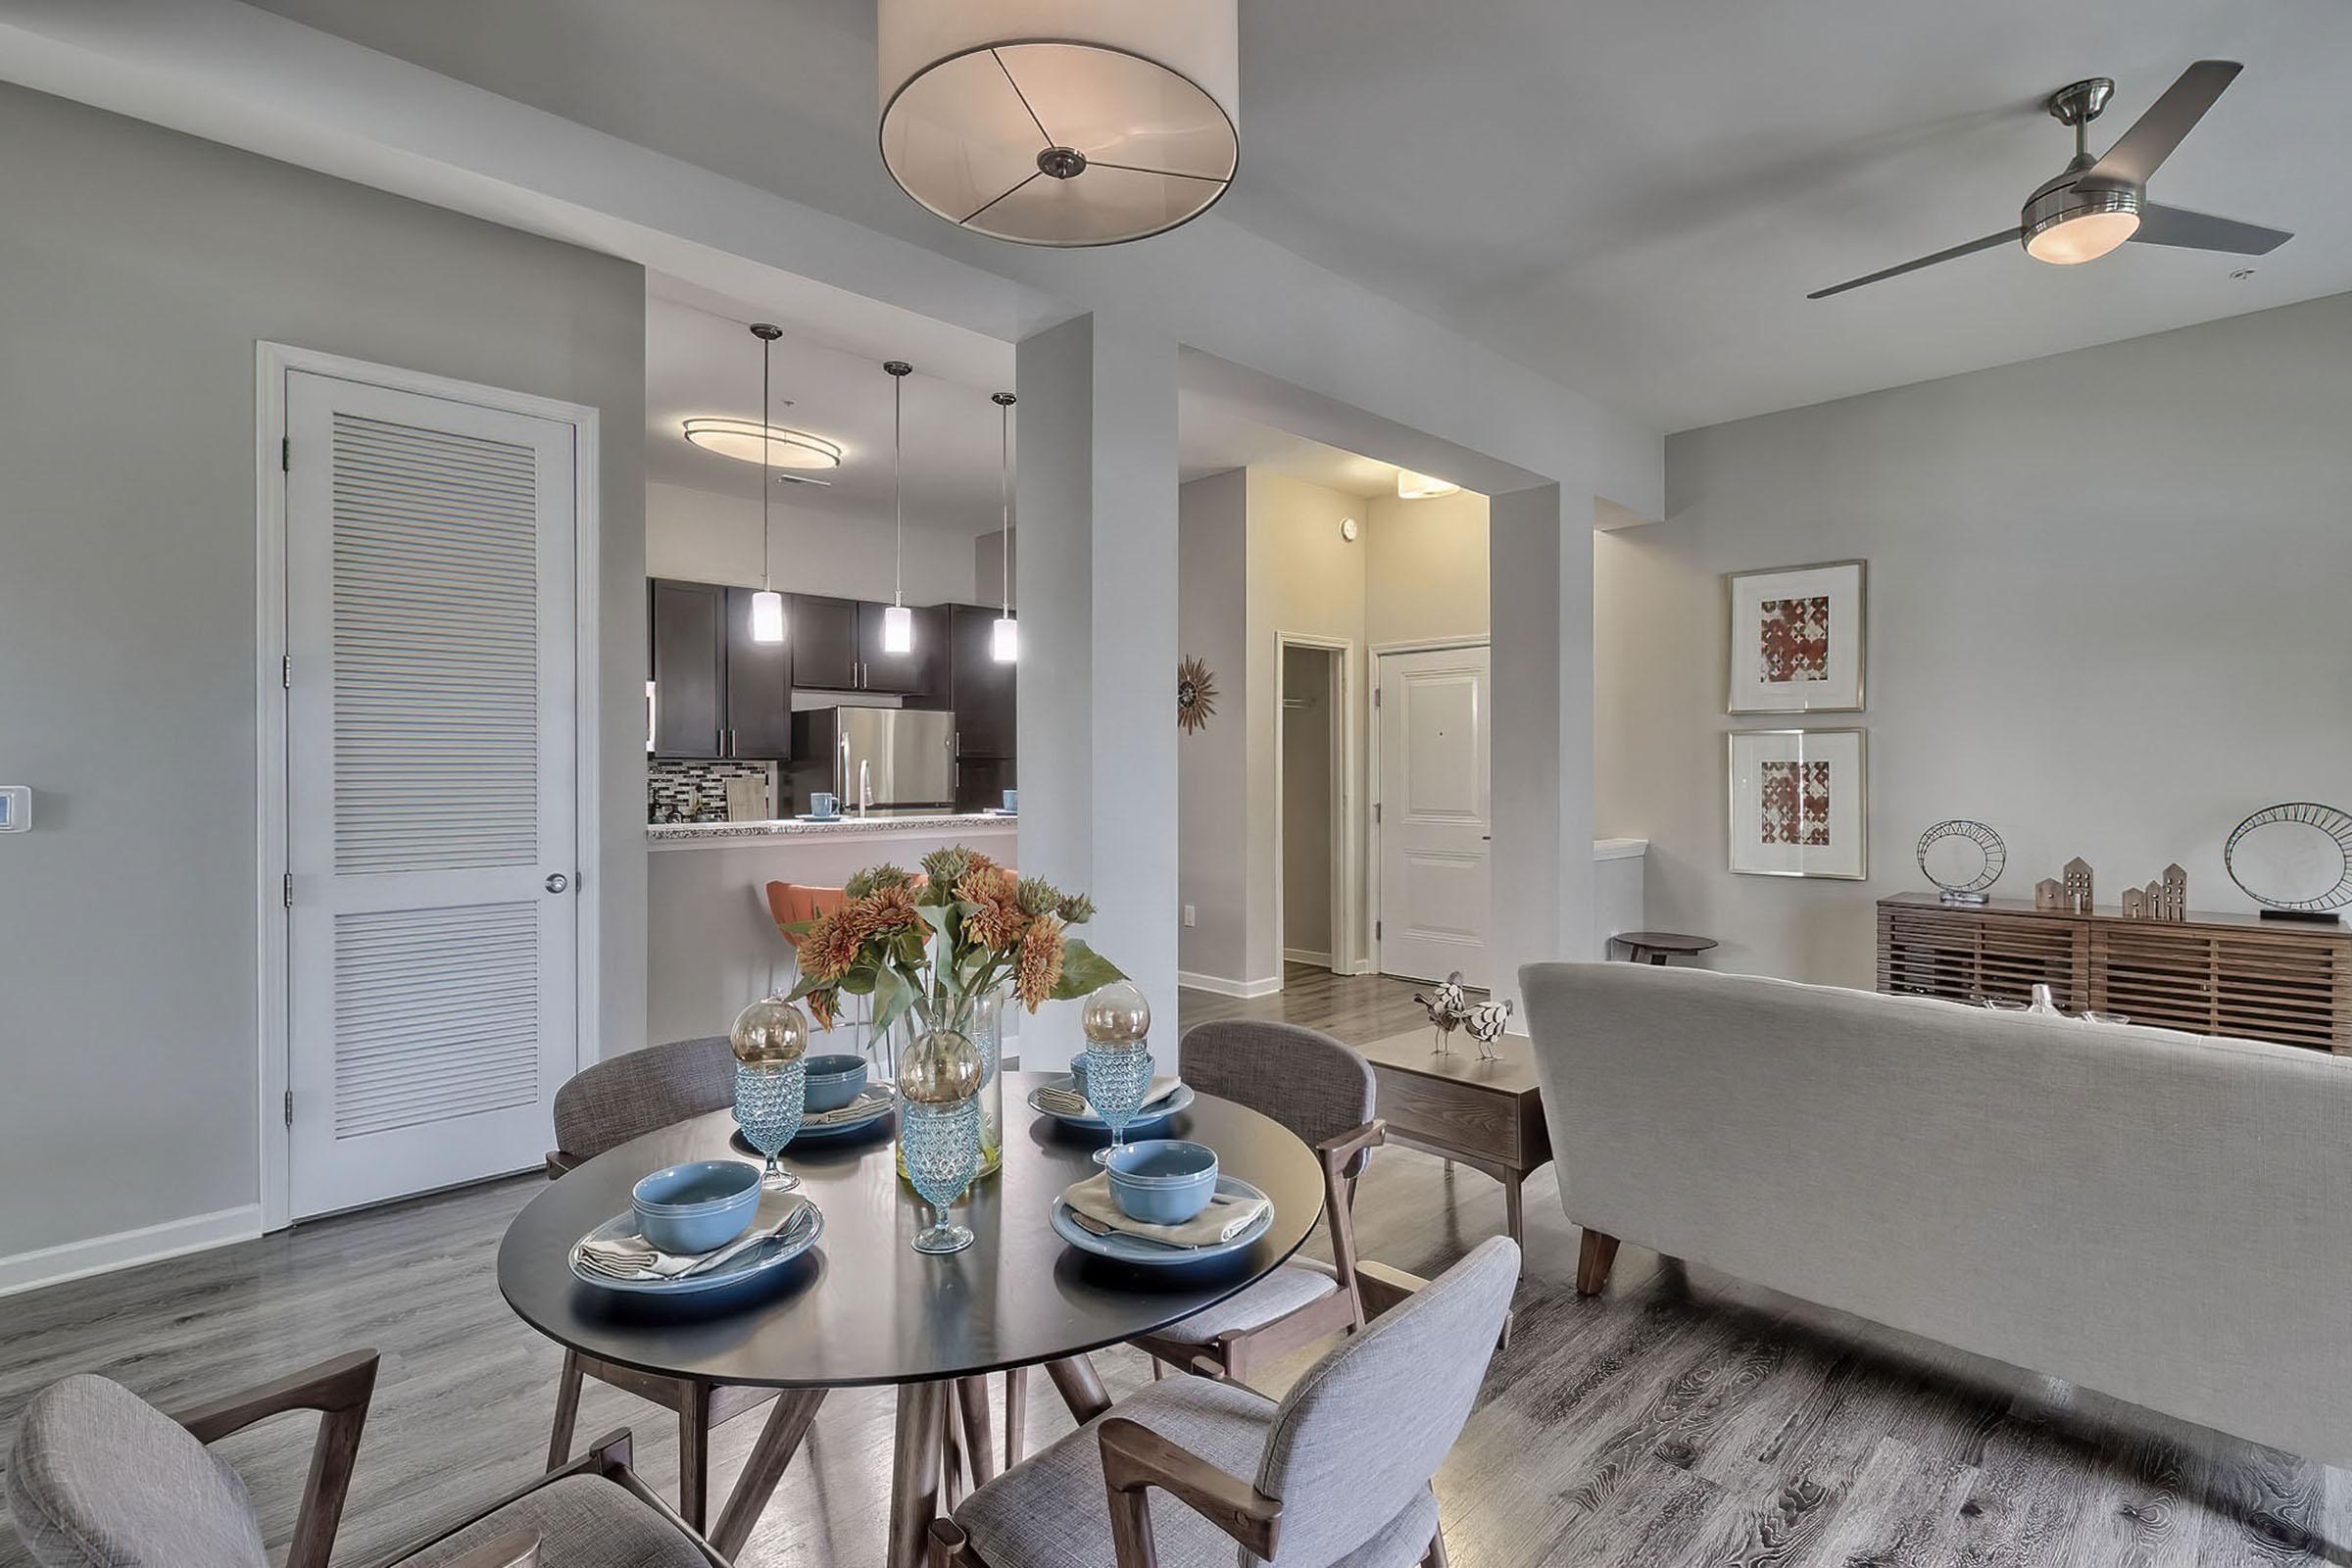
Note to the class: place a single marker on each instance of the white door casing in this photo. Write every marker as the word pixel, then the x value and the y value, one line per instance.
pixel 432 763
pixel 1435 809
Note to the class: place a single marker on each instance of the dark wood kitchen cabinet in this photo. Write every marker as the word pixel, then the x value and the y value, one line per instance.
pixel 916 673
pixel 687 637
pixel 759 686
pixel 716 692
pixel 824 643
pixel 984 720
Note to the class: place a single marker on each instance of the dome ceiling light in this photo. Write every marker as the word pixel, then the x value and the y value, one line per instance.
pixel 769 444
pixel 1061 122
pixel 1411 486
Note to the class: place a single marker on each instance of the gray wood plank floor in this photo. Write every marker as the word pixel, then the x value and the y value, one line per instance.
pixel 1680 1418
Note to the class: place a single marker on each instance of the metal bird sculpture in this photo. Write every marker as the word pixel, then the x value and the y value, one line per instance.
pixel 1486 1023
pixel 1448 1009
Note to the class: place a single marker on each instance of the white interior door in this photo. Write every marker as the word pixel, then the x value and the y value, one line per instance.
pixel 1434 796
pixel 431 761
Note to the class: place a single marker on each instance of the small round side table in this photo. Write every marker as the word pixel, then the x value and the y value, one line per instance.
pixel 1656 947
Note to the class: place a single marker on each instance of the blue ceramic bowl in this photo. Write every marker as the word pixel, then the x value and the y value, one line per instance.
pixel 695 1207
pixel 1162 1181
pixel 835 1081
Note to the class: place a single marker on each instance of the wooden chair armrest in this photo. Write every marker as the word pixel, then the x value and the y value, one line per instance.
pixel 518 1548
pixel 559 1163
pixel 1338 1151
pixel 341 1384
pixel 1136 1459
pixel 339 1391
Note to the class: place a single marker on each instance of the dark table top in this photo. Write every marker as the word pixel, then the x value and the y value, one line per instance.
pixel 862 1306
pixel 1665 941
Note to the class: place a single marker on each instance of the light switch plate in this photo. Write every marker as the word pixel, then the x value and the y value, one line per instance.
pixel 15 808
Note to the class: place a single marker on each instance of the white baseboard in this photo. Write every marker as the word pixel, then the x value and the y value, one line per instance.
pixel 102 1254
pixel 1321 960
pixel 1218 985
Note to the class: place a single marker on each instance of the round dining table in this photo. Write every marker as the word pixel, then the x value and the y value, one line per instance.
pixel 863 1308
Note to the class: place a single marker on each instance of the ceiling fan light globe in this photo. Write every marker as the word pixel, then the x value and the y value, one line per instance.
pixel 2070 224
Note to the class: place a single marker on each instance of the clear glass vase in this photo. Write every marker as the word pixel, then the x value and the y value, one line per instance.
pixel 981 1020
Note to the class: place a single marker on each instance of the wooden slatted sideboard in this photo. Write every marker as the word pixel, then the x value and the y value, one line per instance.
pixel 2211 974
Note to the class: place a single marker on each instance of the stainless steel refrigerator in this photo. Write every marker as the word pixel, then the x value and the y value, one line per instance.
pixel 877 758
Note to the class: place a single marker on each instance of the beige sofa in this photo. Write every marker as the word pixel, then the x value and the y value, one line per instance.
pixel 2163 1217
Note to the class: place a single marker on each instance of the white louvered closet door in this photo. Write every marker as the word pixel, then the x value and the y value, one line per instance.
pixel 431 759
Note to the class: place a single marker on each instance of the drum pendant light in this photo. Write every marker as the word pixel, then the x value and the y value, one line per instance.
pixel 1004 637
pixel 767 605
pixel 1061 122
pixel 898 622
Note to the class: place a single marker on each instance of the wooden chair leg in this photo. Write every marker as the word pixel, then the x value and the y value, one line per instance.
pixel 568 1411
pixel 1156 1369
pixel 1080 1389
pixel 694 1453
pixel 1016 1414
pixel 1595 1257
pixel 979 1447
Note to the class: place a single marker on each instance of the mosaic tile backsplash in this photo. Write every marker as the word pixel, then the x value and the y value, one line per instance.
pixel 696 792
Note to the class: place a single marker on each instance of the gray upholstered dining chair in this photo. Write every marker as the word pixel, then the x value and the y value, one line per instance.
pixel 1336 1475
pixel 1322 1090
pixel 102 1478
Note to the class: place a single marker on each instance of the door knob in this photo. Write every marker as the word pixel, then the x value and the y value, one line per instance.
pixel 557 882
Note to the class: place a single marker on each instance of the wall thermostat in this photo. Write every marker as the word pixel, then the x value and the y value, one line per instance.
pixel 15 808
pixel 1348 530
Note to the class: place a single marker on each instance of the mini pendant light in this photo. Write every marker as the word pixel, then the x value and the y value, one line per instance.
pixel 767 605
pixel 1005 638
pixel 898 622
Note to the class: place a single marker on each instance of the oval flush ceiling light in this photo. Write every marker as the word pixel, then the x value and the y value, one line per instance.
pixel 749 441
pixel 1411 486
pixel 1061 122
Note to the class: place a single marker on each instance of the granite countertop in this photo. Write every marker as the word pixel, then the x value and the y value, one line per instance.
pixel 796 827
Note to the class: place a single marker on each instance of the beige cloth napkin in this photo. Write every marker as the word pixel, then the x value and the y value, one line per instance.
pixel 855 1111
pixel 1222 1220
pixel 1061 1096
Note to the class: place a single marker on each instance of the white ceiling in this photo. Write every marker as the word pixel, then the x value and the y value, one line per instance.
pixel 1633 197
pixel 701 359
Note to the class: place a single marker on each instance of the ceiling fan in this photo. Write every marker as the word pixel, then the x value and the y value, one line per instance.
pixel 2096 204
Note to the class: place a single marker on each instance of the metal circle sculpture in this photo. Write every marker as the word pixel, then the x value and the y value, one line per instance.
pixel 1965 889
pixel 2295 856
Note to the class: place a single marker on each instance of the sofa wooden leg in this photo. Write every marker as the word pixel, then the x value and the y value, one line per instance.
pixel 1434 1557
pixel 1593 1259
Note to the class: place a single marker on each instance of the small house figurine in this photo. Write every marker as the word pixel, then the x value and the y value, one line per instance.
pixel 1449 1010
pixel 2136 903
pixel 2077 885
pixel 2049 894
pixel 2172 902
pixel 1485 1024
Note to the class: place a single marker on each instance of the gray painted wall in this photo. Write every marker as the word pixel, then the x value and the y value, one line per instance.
pixel 1212 874
pixel 137 268
pixel 2114 658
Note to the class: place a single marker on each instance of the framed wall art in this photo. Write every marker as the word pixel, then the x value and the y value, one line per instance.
pixel 1797 639
pixel 1801 802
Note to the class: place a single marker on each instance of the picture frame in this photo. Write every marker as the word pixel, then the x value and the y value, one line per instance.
pixel 1799 803
pixel 1797 638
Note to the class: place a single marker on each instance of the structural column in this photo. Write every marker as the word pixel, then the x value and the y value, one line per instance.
pixel 1540 551
pixel 1095 580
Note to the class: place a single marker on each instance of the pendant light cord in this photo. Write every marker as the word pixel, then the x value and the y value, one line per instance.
pixel 897 484
pixel 1005 498
pixel 768 459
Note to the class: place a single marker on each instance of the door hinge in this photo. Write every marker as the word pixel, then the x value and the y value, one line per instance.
pixel 1375 697
pixel 289 1107
pixel 285 672
pixel 289 890
pixel 285 454
pixel 1376 930
pixel 1375 810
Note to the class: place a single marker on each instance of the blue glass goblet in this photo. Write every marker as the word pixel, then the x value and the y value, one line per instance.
pixel 768 1104
pixel 1116 1082
pixel 941 1144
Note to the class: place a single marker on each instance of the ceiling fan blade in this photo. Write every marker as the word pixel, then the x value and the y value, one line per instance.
pixel 2202 231
pixel 2153 136
pixel 2007 236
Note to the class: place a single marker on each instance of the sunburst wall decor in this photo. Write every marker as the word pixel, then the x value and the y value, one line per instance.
pixel 1196 695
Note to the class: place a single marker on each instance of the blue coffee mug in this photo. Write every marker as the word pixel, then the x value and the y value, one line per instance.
pixel 822 803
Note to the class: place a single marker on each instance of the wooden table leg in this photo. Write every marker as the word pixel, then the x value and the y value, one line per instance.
pixel 694 1452
pixel 915 1471
pixel 979 1447
pixel 1016 1414
pixel 1080 1390
pixel 568 1411
pixel 787 1424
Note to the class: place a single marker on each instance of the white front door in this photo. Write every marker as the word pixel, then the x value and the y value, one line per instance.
pixel 430 776
pixel 1434 796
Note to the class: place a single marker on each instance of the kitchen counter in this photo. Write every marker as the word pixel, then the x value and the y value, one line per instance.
pixel 688 835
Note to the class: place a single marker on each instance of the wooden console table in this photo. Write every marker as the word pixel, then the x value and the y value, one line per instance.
pixel 1488 1115
pixel 2211 974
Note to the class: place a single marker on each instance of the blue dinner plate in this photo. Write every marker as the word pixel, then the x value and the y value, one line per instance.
pixel 1160 1113
pixel 1153 1254
pixel 813 1134
pixel 745 1266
